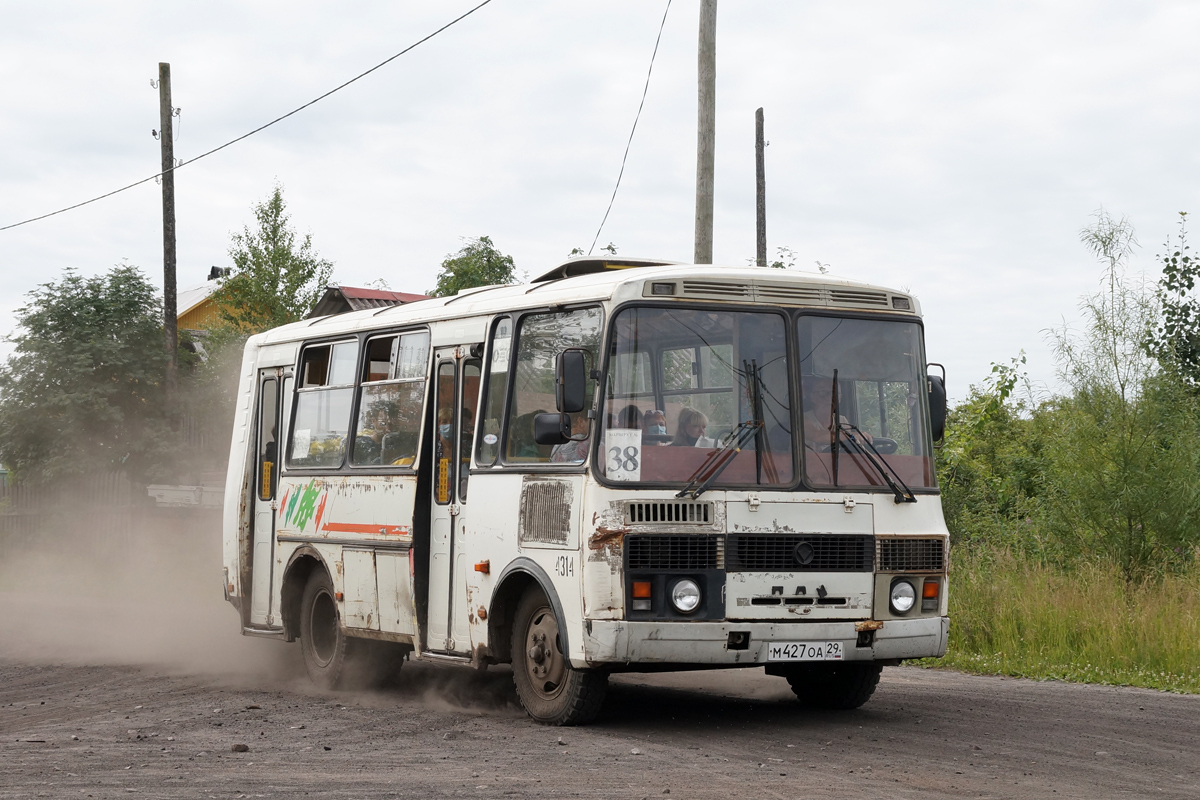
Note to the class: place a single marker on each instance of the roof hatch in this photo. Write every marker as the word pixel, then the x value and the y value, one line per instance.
pixel 586 265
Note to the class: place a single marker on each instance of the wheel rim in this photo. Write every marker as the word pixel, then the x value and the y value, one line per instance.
pixel 544 662
pixel 323 624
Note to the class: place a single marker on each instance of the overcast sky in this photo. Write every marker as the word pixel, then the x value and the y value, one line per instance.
pixel 951 149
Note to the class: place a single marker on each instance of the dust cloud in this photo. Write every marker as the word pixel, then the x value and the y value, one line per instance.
pixel 153 599
pixel 149 597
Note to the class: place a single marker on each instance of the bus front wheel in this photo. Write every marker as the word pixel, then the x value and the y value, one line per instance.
pixel 845 685
pixel 551 690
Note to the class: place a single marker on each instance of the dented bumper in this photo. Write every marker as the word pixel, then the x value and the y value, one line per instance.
pixel 622 642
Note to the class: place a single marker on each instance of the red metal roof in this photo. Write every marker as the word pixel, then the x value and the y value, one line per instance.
pixel 355 293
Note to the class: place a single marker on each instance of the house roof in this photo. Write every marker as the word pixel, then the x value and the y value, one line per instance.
pixel 340 299
pixel 188 299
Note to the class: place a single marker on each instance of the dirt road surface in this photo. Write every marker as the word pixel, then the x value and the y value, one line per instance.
pixel 122 673
pixel 110 731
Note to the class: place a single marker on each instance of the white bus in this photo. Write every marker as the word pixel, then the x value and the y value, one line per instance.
pixel 623 465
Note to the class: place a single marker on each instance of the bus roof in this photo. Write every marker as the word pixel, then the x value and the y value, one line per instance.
pixel 584 280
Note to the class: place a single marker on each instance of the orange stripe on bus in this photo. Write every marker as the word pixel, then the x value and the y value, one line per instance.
pixel 365 527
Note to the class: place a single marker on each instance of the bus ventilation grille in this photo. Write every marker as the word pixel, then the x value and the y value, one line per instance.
pixel 669 512
pixel 545 511
pixel 721 289
pixel 667 551
pixel 858 297
pixel 912 555
pixel 819 553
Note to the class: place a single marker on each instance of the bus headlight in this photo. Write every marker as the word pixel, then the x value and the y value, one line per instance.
pixel 685 596
pixel 903 596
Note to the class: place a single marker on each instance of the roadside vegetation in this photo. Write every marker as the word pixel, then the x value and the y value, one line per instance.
pixel 1075 516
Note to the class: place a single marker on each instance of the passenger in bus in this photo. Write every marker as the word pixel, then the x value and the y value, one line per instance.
pixel 521 442
pixel 690 432
pixel 629 418
pixel 655 423
pixel 654 428
pixel 574 451
pixel 445 433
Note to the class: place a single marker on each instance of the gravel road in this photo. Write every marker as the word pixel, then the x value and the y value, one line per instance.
pixel 127 676
pixel 113 731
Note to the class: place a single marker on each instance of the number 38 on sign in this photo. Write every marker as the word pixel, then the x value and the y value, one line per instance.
pixel 623 455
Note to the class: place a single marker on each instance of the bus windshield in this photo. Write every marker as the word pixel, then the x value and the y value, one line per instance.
pixel 700 398
pixel 684 383
pixel 871 371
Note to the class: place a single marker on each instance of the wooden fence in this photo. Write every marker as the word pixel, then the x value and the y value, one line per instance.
pixel 104 511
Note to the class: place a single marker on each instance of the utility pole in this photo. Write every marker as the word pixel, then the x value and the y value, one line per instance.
pixel 760 165
pixel 170 306
pixel 706 134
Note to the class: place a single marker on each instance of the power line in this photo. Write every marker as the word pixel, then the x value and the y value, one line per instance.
pixel 631 132
pixel 260 128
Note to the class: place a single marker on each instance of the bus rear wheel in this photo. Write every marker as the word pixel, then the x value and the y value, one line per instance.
pixel 843 686
pixel 551 690
pixel 332 659
pixel 322 638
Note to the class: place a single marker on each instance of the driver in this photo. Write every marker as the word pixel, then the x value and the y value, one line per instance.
pixel 817 394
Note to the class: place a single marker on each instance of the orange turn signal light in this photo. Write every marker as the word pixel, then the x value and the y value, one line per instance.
pixel 339 595
pixel 641 588
pixel 484 566
pixel 930 589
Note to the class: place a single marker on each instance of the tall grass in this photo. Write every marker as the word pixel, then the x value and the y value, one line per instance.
pixel 1012 616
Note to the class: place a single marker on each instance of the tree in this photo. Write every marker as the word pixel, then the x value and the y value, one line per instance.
pixel 478 263
pixel 609 248
pixel 83 389
pixel 1124 469
pixel 1176 341
pixel 277 277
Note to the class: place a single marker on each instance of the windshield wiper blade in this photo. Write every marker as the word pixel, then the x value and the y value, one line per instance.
pixel 873 457
pixel 718 460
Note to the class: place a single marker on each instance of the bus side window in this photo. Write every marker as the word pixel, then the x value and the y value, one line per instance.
pixel 541 338
pixel 497 389
pixel 390 401
pixel 323 400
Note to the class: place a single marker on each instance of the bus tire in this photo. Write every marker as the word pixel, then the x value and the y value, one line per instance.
pixel 552 692
pixel 323 640
pixel 843 686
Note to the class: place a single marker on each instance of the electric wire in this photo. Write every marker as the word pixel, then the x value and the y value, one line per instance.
pixel 260 128
pixel 638 116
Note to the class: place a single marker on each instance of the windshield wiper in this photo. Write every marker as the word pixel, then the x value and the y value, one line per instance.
pixel 867 450
pixel 718 460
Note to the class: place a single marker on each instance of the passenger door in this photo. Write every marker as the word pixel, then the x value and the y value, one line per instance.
pixel 266 479
pixel 456 390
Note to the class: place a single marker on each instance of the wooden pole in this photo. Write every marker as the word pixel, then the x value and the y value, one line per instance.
pixel 760 168
pixel 170 304
pixel 706 130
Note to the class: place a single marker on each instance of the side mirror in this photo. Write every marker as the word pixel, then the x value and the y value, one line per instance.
pixel 552 428
pixel 937 404
pixel 570 381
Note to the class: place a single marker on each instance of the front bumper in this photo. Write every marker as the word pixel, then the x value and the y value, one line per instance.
pixel 622 642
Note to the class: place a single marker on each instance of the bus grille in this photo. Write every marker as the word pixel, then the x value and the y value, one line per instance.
pixel 912 555
pixel 669 511
pixel 667 551
pixel 858 297
pixel 820 553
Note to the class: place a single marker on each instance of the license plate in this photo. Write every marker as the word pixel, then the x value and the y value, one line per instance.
pixel 804 651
